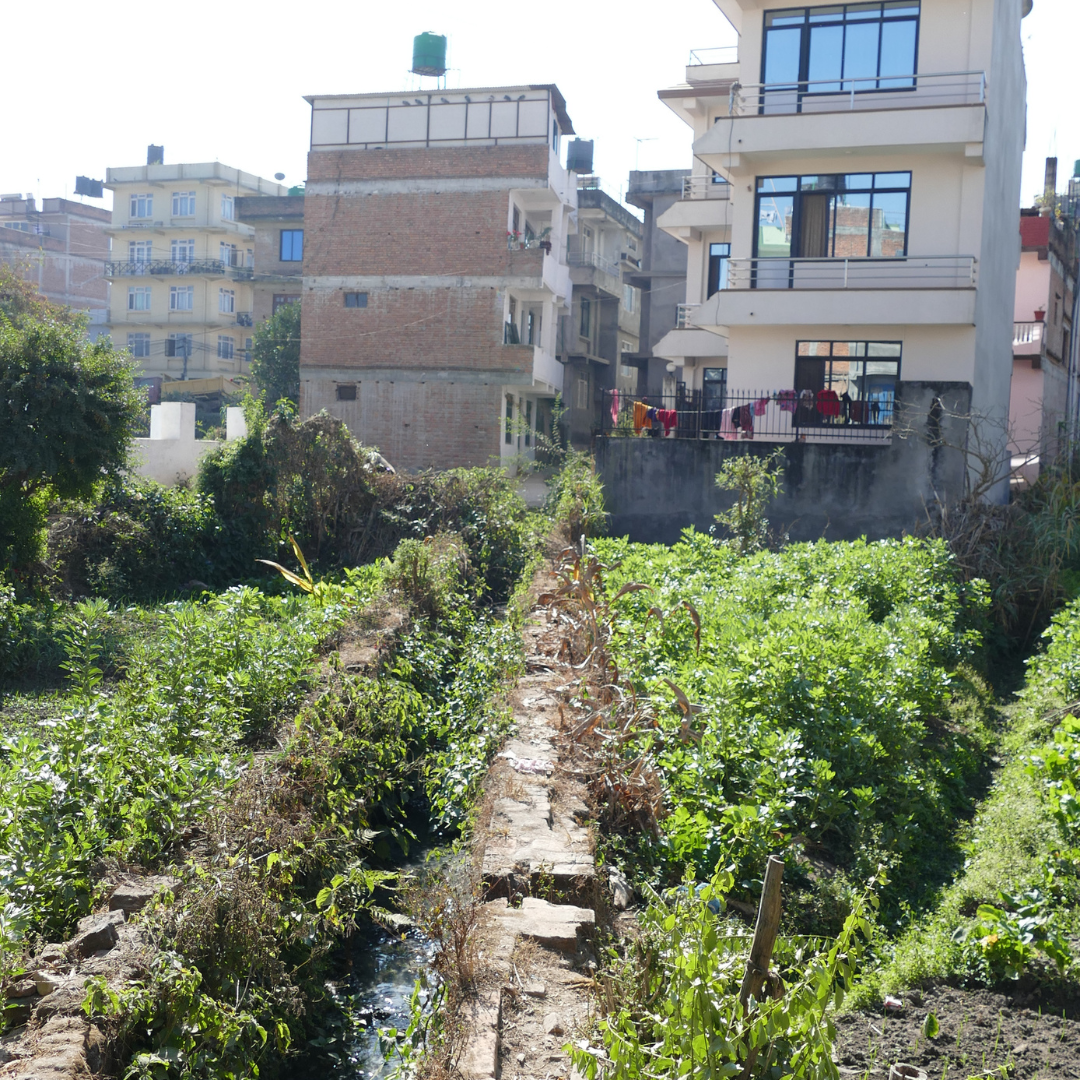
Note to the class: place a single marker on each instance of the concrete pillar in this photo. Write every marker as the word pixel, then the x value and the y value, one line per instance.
pixel 235 424
pixel 173 420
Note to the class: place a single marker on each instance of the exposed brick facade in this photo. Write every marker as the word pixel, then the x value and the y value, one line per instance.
pixel 434 266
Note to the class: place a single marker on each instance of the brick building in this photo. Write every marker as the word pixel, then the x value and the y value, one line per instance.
pixel 435 238
pixel 60 248
pixel 278 221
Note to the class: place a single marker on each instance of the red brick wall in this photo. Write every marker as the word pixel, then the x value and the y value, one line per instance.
pixel 437 162
pixel 436 328
pixel 448 233
pixel 434 425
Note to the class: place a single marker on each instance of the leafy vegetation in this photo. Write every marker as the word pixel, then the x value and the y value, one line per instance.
pixel 69 410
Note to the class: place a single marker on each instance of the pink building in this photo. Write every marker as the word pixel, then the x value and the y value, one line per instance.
pixel 1042 340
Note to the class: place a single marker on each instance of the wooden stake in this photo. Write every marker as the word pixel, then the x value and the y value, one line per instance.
pixel 765 931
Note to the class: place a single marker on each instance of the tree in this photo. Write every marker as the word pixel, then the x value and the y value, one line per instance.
pixel 275 355
pixel 756 481
pixel 68 410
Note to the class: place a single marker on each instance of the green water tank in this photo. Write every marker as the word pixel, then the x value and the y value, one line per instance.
pixel 429 54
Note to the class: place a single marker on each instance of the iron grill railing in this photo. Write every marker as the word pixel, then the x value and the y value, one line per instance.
pixel 244 318
pixel 705 187
pixel 178 268
pixel 723 54
pixel 590 258
pixel 855 94
pixel 778 416
pixel 1027 333
pixel 898 272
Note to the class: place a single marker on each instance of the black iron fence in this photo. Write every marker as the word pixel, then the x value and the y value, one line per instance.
pixel 769 415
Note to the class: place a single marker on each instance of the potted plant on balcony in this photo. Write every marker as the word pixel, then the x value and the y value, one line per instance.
pixel 544 240
pixel 1040 314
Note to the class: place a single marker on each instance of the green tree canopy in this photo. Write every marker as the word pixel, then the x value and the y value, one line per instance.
pixel 68 410
pixel 275 355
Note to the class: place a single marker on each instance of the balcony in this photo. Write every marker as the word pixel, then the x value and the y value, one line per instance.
pixel 712 65
pixel 917 290
pixel 705 187
pixel 180 268
pixel 683 314
pixel 936 111
pixel 851 95
pixel 770 416
pixel 589 268
pixel 688 340
pixel 245 318
pixel 1028 338
pixel 705 204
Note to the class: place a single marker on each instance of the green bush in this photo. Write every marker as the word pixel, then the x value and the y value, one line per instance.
pixel 576 498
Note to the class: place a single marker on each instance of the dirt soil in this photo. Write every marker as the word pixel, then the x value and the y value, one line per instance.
pixel 982 1035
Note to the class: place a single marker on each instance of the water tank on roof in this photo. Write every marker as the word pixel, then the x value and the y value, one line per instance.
pixel 579 156
pixel 429 54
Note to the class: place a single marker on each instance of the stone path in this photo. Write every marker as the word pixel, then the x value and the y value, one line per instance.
pixel 540 880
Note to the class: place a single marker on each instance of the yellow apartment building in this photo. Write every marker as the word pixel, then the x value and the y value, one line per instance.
pixel 181 267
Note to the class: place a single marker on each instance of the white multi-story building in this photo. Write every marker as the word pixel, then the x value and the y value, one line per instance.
pixel 852 214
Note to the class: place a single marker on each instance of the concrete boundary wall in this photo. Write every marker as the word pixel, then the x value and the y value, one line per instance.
pixel 654 488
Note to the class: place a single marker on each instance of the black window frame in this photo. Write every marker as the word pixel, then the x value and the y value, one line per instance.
pixel 356 299
pixel 716 260
pixel 801 83
pixel 800 420
pixel 291 233
pixel 345 392
pixel 799 191
pixel 585 325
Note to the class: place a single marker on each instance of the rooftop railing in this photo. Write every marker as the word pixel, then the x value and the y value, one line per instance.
pixel 899 272
pixel 872 92
pixel 725 54
pixel 776 416
pixel 705 187
pixel 590 258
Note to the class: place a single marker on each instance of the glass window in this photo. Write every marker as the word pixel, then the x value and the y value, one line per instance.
pixel 139 251
pixel 849 382
pixel 280 300
pixel 183 251
pixel 139 345
pixel 139 298
pixel 292 245
pixel 226 301
pixel 226 347
pixel 844 216
pixel 719 254
pixel 509 430
pixel 228 207
pixel 346 392
pixel 141 206
pixel 356 299
pixel 713 388
pixel 586 318
pixel 227 253
pixel 841 47
pixel 178 345
pixel 182 298
pixel 183 204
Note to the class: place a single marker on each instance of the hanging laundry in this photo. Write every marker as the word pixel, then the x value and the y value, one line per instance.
pixel 670 419
pixel 875 410
pixel 845 405
pixel 746 421
pixel 828 403
pixel 640 419
pixel 614 407
pixel 651 415
pixel 727 425
pixel 858 412
pixel 788 400
pixel 760 406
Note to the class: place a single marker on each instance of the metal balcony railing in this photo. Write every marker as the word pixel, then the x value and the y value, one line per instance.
pixel 527 243
pixel 1027 333
pixel 245 318
pixel 900 272
pixel 872 92
pixel 589 182
pixel 177 268
pixel 590 258
pixel 705 187
pixel 683 314
pixel 726 54
pixel 776 416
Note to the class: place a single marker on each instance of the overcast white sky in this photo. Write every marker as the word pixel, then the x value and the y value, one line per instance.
pixel 87 87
